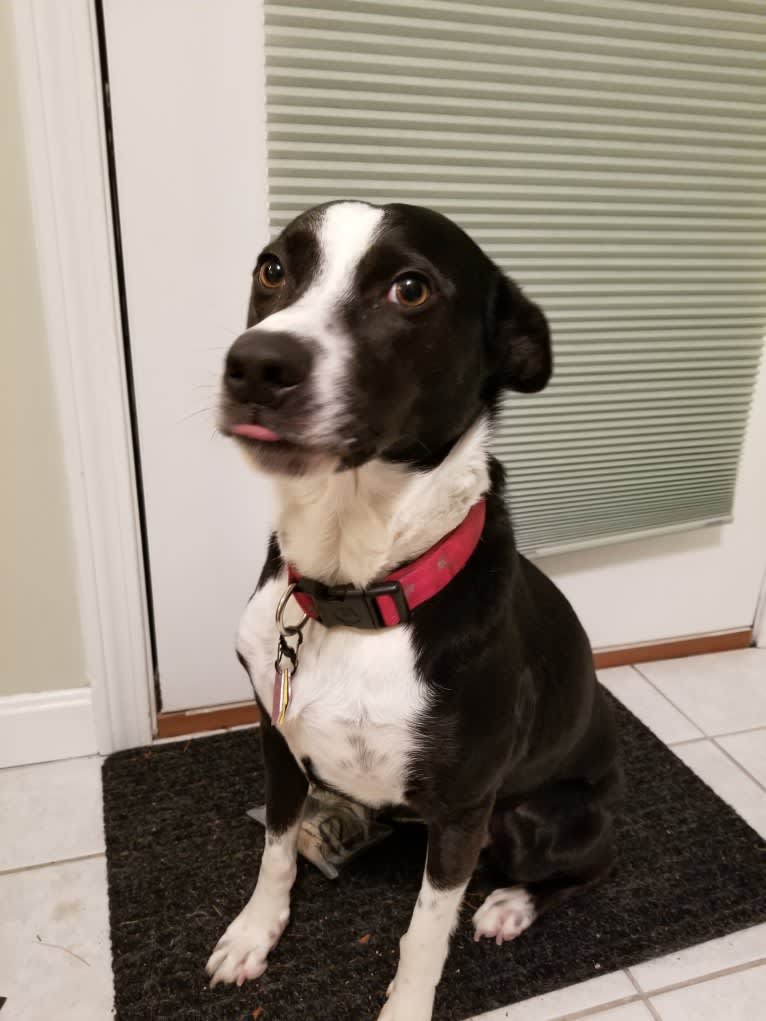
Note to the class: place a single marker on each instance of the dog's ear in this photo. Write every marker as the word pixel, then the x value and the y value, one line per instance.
pixel 520 339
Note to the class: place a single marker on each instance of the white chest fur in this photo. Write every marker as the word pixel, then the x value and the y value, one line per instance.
pixel 356 698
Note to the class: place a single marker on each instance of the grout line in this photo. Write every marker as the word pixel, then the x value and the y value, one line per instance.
pixel 577 1015
pixel 644 998
pixel 735 733
pixel 583 1015
pixel 52 762
pixel 670 744
pixel 50 864
pixel 703 734
pixel 705 737
pixel 637 987
pixel 735 969
pixel 671 702
pixel 739 765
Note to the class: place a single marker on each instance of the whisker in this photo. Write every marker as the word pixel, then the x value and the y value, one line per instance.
pixel 193 414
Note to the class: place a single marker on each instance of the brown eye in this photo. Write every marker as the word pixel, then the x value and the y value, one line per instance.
pixel 409 290
pixel 270 273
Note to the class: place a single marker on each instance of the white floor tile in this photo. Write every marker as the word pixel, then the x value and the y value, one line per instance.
pixel 705 959
pixel 50 812
pixel 648 704
pixel 50 915
pixel 721 693
pixel 585 996
pixel 737 997
pixel 750 751
pixel 727 780
pixel 630 1012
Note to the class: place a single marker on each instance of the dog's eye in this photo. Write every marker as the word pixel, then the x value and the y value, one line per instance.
pixel 270 273
pixel 409 290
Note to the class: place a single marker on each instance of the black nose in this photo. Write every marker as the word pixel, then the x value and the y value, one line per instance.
pixel 262 367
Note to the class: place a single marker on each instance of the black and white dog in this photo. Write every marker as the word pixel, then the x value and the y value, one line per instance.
pixel 461 686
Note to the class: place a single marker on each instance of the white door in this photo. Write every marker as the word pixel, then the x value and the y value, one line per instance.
pixel 188 108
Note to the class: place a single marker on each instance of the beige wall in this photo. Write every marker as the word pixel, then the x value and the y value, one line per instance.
pixel 40 638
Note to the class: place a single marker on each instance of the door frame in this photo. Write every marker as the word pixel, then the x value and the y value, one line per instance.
pixel 60 86
pixel 759 626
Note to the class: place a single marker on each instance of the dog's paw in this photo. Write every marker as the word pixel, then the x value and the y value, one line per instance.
pixel 407 1003
pixel 504 915
pixel 242 952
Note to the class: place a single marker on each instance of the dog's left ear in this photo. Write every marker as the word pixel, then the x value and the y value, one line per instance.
pixel 520 339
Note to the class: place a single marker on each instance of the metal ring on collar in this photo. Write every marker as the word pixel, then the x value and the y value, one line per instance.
pixel 288 629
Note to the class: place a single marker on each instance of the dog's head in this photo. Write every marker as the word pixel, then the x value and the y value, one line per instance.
pixel 375 332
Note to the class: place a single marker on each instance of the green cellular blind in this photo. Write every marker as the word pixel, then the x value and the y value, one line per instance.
pixel 609 154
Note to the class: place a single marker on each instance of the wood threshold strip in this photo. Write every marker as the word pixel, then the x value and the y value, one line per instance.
pixel 195 721
pixel 675 648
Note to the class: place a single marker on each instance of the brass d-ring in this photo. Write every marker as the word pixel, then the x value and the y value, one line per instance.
pixel 288 629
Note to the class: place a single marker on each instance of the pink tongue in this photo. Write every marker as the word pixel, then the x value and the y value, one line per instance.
pixel 255 432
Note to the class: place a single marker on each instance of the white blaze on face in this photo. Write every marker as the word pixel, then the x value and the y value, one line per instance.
pixel 345 233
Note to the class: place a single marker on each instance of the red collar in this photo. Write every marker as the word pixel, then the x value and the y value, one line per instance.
pixel 390 602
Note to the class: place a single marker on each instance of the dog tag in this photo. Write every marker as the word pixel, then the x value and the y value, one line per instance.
pixel 282 692
pixel 285 666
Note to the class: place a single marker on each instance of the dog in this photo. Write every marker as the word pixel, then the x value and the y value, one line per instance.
pixel 422 661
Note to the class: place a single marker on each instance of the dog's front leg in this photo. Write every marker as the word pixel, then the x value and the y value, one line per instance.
pixel 242 951
pixel 453 850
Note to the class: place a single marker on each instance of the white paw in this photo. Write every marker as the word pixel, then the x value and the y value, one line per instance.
pixel 504 915
pixel 407 1007
pixel 408 1001
pixel 242 952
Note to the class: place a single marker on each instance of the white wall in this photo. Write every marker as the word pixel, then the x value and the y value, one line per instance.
pixel 41 645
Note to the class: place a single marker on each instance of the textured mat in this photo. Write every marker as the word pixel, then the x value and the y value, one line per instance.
pixel 182 858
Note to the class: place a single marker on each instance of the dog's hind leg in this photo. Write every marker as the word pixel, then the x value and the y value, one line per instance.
pixel 551 846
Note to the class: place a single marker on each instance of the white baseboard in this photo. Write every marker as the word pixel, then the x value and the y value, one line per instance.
pixel 45 726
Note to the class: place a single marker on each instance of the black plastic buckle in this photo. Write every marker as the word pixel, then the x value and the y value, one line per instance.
pixel 345 606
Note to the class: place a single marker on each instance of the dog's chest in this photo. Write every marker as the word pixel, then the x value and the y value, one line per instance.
pixel 356 699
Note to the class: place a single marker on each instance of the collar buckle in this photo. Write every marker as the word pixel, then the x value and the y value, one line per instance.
pixel 346 606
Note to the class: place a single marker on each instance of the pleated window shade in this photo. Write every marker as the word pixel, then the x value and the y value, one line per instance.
pixel 610 156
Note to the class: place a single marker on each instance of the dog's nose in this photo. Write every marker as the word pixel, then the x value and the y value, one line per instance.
pixel 262 367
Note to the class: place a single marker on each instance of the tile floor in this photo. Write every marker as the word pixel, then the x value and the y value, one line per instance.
pixel 54 942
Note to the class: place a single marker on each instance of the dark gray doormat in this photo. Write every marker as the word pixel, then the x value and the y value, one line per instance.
pixel 182 858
